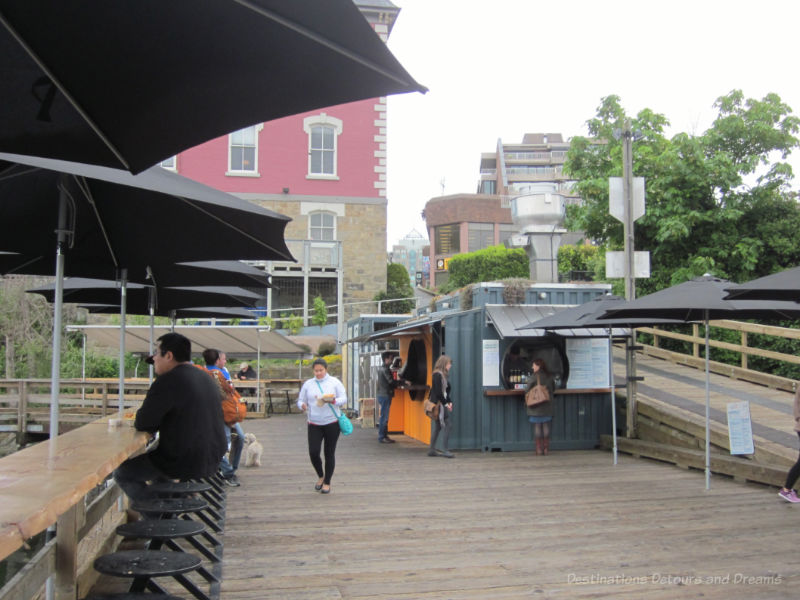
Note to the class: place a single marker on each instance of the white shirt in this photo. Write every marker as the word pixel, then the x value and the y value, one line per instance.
pixel 310 393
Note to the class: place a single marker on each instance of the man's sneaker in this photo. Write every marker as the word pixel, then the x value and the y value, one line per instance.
pixel 232 481
pixel 789 496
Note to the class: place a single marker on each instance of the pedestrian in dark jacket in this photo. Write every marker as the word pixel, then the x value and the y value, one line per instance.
pixel 440 394
pixel 541 415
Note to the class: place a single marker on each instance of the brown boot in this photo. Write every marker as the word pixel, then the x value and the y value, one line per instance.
pixel 539 446
pixel 545 446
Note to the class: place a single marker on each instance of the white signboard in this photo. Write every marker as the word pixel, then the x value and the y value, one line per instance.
pixel 588 363
pixel 615 264
pixel 616 200
pixel 740 430
pixel 491 362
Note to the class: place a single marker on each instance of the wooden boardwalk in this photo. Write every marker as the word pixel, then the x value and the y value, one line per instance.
pixel 401 525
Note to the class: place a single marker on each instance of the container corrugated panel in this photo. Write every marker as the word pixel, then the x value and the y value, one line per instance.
pixel 463 343
pixel 578 422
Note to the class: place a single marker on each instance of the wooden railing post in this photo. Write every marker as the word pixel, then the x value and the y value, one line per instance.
pixel 104 389
pixel 744 349
pixel 22 413
pixel 695 345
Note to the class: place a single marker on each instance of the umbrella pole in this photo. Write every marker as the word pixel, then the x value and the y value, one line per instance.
pixel 55 365
pixel 123 298
pixel 258 369
pixel 151 298
pixel 613 392
pixel 708 403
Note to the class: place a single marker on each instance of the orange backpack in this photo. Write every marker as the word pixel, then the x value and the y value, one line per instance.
pixel 234 408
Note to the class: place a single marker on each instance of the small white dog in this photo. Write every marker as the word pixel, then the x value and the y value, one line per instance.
pixel 253 451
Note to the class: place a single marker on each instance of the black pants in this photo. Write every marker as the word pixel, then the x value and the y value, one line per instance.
pixel 329 434
pixel 794 473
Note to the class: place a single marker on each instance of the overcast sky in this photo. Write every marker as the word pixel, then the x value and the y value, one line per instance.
pixel 504 68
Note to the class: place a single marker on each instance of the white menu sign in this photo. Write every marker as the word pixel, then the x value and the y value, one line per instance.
pixel 588 363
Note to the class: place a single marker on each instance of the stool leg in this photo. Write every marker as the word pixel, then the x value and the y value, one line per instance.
pixel 191 587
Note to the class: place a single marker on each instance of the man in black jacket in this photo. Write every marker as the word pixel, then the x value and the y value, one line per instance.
pixel 183 406
pixel 386 386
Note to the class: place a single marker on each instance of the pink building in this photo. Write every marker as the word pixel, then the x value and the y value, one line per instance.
pixel 326 169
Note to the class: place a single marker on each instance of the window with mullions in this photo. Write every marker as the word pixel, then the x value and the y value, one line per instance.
pixel 323 140
pixel 243 155
pixel 322 226
pixel 480 236
pixel 322 151
pixel 447 239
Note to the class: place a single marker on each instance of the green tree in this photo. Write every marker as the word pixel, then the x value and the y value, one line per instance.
pixel 580 258
pixel 718 202
pixel 490 264
pixel 293 324
pixel 320 316
pixel 398 285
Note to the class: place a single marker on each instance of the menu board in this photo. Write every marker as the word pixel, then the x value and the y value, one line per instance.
pixel 588 363
pixel 491 363
pixel 740 430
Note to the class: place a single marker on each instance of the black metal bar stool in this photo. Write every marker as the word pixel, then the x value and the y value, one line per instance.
pixel 180 489
pixel 270 406
pixel 144 565
pixel 165 532
pixel 288 401
pixel 159 508
pixel 134 596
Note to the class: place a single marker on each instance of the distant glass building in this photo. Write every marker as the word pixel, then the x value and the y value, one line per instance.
pixel 411 252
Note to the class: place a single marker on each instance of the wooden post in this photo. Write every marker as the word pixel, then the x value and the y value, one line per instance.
pixel 744 349
pixel 22 413
pixel 695 345
pixel 66 576
pixel 104 389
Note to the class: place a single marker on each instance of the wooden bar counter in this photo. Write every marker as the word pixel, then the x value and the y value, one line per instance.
pixel 41 483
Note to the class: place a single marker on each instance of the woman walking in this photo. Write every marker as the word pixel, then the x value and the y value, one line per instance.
pixel 317 399
pixel 787 492
pixel 440 394
pixel 541 415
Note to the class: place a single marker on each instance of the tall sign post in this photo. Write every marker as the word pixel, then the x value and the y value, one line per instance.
pixel 626 203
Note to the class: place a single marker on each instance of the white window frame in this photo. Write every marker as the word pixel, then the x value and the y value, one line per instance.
pixel 321 227
pixel 244 172
pixel 324 120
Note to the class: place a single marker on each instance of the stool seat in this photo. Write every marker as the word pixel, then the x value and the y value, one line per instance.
pixel 146 563
pixel 135 596
pixel 179 487
pixel 165 529
pixel 169 505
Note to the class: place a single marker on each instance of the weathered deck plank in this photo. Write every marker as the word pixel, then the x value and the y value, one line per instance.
pixel 503 525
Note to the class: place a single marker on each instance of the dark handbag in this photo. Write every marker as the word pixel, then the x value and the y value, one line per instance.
pixel 432 409
pixel 538 394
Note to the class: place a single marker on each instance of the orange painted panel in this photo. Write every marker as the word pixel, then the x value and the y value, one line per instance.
pixel 417 425
pixel 397 412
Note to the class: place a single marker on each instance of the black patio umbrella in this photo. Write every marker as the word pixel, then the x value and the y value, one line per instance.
pixel 585 317
pixel 196 273
pixel 80 290
pixel 143 299
pixel 702 299
pixel 127 84
pixel 784 285
pixel 195 312
pixel 109 224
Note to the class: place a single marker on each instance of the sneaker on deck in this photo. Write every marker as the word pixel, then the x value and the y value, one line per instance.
pixel 789 496
pixel 232 481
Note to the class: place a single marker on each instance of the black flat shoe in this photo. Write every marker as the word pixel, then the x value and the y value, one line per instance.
pixel 328 491
pixel 318 487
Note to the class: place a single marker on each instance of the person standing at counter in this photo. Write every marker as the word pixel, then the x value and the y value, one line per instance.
pixel 317 398
pixel 440 394
pixel 386 386
pixel 541 415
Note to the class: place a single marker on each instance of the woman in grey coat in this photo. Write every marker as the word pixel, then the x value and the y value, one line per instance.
pixel 541 415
